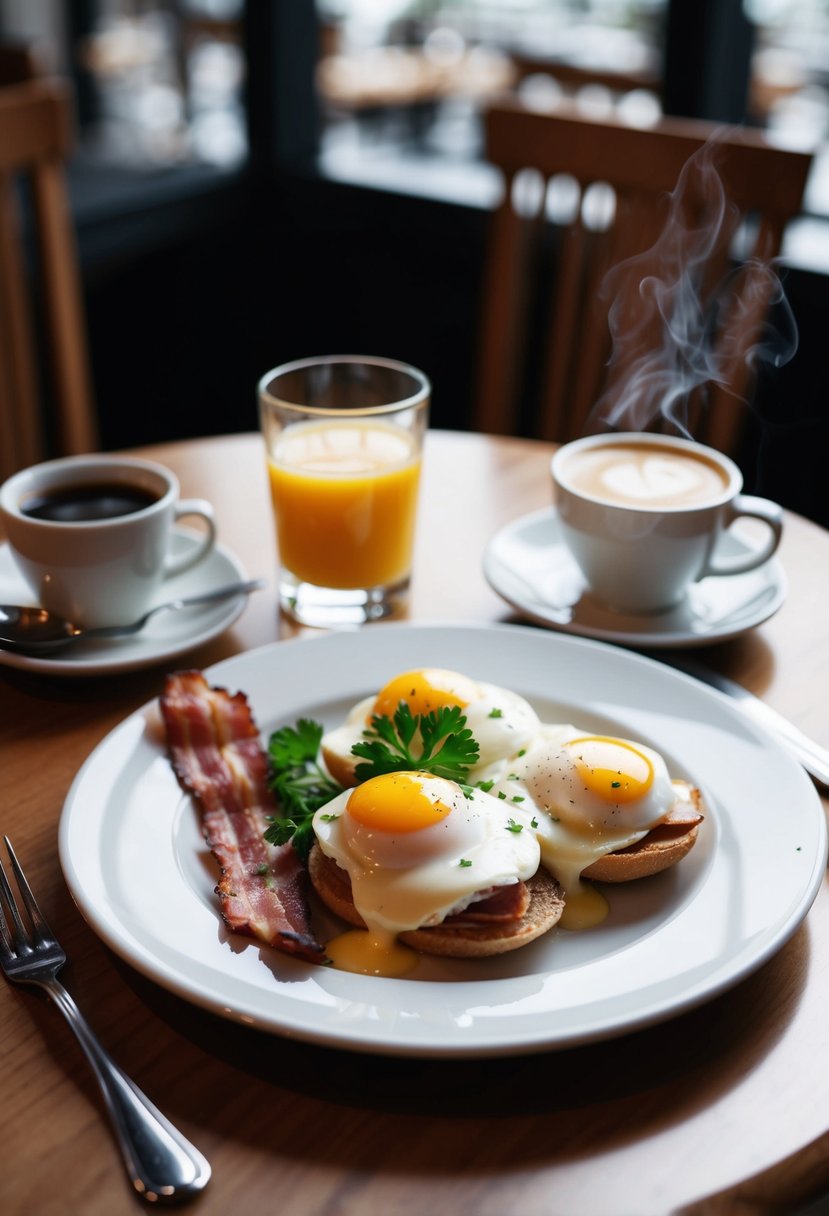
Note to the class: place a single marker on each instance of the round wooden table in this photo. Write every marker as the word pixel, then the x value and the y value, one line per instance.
pixel 730 1101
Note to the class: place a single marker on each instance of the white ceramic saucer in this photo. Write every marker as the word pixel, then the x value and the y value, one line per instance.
pixel 167 635
pixel 528 565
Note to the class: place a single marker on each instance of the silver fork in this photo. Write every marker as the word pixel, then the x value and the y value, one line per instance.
pixel 161 1164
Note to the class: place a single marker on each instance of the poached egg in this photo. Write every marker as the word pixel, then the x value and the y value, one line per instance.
pixel 417 847
pixel 501 721
pixel 590 795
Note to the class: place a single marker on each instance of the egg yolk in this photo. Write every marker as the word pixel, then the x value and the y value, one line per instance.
pixel 611 768
pixel 395 803
pixel 424 691
pixel 371 954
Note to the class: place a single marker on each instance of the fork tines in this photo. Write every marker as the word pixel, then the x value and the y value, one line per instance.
pixel 16 936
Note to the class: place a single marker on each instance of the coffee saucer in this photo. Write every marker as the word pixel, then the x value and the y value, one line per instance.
pixel 164 637
pixel 527 564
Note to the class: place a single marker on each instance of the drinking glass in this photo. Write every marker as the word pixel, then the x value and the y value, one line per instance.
pixel 344 439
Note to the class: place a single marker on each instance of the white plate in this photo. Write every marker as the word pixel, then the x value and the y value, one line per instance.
pixel 164 637
pixel 135 862
pixel 528 565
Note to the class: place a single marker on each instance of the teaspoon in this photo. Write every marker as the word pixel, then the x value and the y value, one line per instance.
pixel 37 631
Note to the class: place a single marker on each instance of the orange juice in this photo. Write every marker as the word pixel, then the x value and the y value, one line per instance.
pixel 345 500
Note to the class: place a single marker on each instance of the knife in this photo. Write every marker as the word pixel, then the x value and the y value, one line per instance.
pixel 815 759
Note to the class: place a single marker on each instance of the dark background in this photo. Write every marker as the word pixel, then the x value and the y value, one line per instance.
pixel 197 281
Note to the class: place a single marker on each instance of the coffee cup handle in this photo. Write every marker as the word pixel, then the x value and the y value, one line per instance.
pixel 746 505
pixel 202 508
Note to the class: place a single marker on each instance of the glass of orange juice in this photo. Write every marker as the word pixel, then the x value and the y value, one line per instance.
pixel 344 440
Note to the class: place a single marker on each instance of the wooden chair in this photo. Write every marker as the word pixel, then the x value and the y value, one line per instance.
pixel 39 284
pixel 18 62
pixel 545 352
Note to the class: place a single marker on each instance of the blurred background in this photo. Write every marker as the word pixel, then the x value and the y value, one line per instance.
pixel 263 180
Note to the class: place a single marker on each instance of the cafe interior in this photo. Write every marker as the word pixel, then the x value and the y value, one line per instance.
pixel 573 217
pixel 317 179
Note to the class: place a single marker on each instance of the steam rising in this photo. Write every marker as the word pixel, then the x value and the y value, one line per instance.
pixel 682 320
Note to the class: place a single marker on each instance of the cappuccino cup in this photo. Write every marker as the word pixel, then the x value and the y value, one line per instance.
pixel 91 535
pixel 642 515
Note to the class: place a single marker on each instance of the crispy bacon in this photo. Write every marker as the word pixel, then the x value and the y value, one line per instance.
pixel 218 759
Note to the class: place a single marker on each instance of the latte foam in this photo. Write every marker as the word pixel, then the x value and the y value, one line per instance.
pixel 645 476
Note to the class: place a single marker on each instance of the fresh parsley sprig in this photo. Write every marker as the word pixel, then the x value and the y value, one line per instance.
pixel 300 784
pixel 390 745
pixel 447 746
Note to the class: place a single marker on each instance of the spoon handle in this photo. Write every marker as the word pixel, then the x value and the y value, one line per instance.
pixel 188 601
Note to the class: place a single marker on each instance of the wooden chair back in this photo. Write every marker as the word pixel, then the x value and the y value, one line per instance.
pixel 18 62
pixel 546 354
pixel 46 405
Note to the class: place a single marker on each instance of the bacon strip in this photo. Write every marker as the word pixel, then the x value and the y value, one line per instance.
pixel 218 759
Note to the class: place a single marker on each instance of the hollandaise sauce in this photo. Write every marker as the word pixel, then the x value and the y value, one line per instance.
pixel 374 953
pixel 584 907
pixel 345 499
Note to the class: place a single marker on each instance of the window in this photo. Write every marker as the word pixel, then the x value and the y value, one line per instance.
pixel 415 74
pixel 157 84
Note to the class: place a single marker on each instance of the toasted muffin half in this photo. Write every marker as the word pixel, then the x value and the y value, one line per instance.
pixel 541 900
pixel 341 765
pixel 663 847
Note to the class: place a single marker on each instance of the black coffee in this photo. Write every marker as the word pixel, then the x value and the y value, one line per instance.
pixel 80 504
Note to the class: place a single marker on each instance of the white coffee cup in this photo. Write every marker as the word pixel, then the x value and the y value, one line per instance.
pixel 642 515
pixel 104 569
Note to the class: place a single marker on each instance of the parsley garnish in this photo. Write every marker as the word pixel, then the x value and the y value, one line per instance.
pixel 299 783
pixel 496 713
pixel 614 785
pixel 448 750
pixel 486 786
pixel 447 746
pixel 464 861
pixel 512 826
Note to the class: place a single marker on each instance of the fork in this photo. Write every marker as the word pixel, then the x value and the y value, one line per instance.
pixel 161 1164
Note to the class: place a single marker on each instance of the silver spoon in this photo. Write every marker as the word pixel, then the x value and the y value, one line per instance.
pixel 37 631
